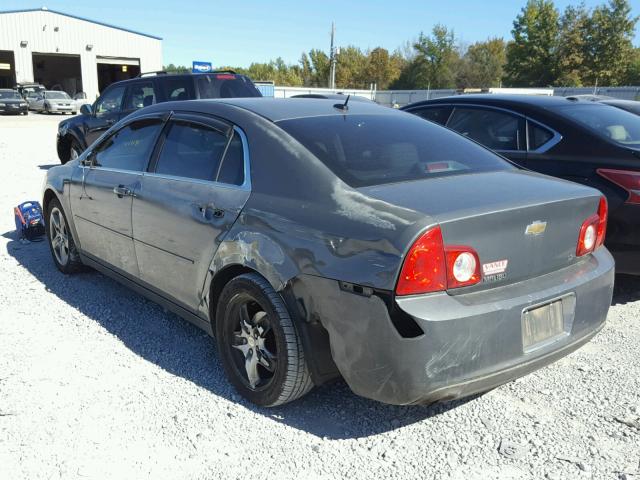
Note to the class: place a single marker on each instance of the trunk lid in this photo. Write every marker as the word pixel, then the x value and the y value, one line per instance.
pixel 526 219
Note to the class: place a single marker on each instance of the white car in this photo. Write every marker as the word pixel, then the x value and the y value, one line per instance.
pixel 53 101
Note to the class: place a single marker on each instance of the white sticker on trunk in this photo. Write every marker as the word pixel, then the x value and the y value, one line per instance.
pixel 494 268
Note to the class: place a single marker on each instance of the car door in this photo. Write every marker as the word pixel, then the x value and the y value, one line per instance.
pixel 105 112
pixel 500 130
pixel 101 199
pixel 190 197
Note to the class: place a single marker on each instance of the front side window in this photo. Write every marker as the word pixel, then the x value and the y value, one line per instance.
pixel 180 88
pixel 140 95
pixel 495 130
pixel 366 150
pixel 110 102
pixel 129 148
pixel 191 151
pixel 617 125
pixel 438 115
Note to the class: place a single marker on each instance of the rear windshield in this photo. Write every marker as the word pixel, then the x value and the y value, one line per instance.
pixel 225 85
pixel 7 95
pixel 366 150
pixel 618 125
pixel 57 95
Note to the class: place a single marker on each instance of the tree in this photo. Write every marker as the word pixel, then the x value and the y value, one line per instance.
pixel 532 53
pixel 482 64
pixel 609 49
pixel 435 62
pixel 351 68
pixel 171 68
pixel 572 46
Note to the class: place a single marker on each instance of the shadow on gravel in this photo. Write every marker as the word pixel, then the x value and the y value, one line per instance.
pixel 626 289
pixel 182 349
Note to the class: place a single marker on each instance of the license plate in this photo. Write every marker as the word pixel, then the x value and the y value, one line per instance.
pixel 542 324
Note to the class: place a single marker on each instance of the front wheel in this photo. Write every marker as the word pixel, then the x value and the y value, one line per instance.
pixel 259 346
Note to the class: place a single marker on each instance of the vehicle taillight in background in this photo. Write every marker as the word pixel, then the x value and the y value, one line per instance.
pixel 627 179
pixel 593 230
pixel 430 266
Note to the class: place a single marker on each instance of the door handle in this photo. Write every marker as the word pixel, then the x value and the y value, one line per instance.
pixel 209 212
pixel 122 191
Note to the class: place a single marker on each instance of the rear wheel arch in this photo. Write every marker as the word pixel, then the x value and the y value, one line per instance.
pixel 49 195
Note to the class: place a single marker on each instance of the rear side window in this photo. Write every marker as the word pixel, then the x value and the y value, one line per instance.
pixel 129 148
pixel 232 169
pixel 368 150
pixel 494 129
pixel 178 88
pixel 110 102
pixel 140 95
pixel 225 85
pixel 191 151
pixel 438 115
pixel 538 136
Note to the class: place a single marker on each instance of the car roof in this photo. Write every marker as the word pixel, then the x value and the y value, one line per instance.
pixel 278 109
pixel 540 101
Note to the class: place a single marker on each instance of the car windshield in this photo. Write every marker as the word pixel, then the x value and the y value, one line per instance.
pixel 225 85
pixel 613 123
pixel 57 95
pixel 366 150
pixel 9 95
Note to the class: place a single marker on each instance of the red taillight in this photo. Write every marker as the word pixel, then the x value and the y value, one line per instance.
pixel 593 230
pixel 627 179
pixel 603 215
pixel 431 267
pixel 424 268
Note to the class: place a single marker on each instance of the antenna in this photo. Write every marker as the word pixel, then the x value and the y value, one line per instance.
pixel 343 106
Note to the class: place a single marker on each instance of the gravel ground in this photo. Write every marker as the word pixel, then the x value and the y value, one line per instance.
pixel 97 382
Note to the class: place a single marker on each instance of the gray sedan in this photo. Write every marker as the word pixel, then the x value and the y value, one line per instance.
pixel 52 101
pixel 315 239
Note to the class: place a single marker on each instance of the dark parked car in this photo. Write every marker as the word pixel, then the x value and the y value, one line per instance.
pixel 12 102
pixel 123 98
pixel 628 105
pixel 317 241
pixel 579 140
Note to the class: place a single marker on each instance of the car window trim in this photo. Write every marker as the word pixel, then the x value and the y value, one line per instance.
pixel 433 107
pixel 207 122
pixel 557 137
pixel 163 119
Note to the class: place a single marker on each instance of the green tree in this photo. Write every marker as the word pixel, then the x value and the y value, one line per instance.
pixel 435 62
pixel 482 64
pixel 171 68
pixel 531 55
pixel 351 68
pixel 609 49
pixel 382 68
pixel 571 67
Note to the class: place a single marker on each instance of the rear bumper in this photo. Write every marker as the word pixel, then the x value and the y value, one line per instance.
pixel 471 343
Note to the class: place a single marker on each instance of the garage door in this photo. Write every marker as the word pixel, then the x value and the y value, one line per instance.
pixel 114 69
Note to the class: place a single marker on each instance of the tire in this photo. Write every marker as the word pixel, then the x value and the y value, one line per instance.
pixel 75 150
pixel 269 346
pixel 64 253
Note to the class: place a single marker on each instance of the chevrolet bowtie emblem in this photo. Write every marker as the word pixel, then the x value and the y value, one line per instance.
pixel 536 228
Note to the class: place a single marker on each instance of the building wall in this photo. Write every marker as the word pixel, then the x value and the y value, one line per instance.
pixel 72 37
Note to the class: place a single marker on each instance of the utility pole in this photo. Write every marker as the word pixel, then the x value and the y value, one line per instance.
pixel 332 59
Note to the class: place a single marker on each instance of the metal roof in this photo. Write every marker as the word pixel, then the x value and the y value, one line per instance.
pixel 44 9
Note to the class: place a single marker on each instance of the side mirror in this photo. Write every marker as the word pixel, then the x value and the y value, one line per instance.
pixel 86 109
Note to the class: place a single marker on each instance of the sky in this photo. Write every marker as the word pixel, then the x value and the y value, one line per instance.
pixel 237 33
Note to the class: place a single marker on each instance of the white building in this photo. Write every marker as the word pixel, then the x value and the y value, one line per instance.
pixel 70 53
